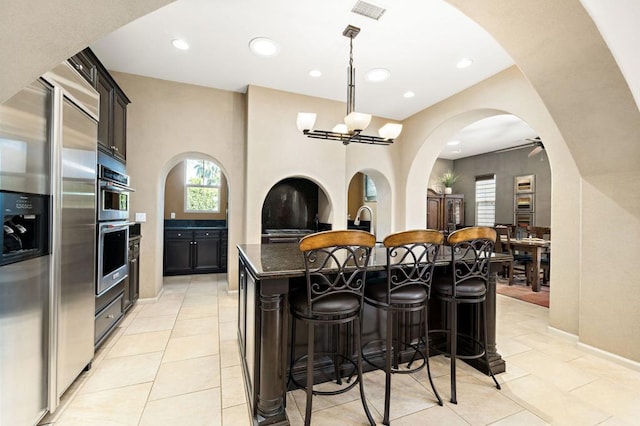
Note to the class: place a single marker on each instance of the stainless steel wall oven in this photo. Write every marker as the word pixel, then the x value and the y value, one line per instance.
pixel 113 197
pixel 113 252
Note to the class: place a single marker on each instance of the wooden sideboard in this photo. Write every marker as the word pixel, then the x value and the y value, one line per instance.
pixel 444 211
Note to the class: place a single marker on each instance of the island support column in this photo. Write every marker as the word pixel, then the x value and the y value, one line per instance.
pixel 495 359
pixel 273 326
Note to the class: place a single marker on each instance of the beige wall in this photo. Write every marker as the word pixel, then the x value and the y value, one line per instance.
pixel 174 197
pixel 167 123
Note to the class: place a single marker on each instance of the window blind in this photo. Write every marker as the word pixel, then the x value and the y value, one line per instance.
pixel 485 200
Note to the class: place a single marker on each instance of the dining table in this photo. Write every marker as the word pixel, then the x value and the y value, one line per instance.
pixel 268 273
pixel 537 247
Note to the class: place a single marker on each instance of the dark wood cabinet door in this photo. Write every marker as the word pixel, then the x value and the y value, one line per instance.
pixel 454 211
pixel 434 213
pixel 84 65
pixel 206 250
pixel 119 138
pixel 177 256
pixel 104 124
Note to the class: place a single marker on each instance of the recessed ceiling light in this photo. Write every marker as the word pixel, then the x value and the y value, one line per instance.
pixel 457 151
pixel 180 44
pixel 378 74
pixel 263 46
pixel 453 143
pixel 409 94
pixel 464 63
pixel 315 73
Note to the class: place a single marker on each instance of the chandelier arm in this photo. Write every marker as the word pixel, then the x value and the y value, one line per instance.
pixel 347 138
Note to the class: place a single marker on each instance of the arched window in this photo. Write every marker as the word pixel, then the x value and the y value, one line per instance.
pixel 202 187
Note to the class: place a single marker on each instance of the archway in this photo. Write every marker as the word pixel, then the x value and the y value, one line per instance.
pixel 293 207
pixel 370 188
pixel 182 209
pixel 503 178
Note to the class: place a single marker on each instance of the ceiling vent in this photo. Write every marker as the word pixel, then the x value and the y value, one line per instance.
pixel 369 10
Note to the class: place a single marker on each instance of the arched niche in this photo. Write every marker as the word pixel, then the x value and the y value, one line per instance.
pixel 381 206
pixel 296 203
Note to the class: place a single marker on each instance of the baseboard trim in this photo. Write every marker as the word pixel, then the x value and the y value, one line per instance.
pixel 151 299
pixel 609 356
pixel 563 335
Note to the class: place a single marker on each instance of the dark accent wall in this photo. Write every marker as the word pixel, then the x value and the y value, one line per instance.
pixel 291 203
pixel 506 166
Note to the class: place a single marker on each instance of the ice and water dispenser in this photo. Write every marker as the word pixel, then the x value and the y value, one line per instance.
pixel 25 222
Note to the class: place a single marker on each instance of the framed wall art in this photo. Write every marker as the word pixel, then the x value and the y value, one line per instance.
pixel 524 203
pixel 525 184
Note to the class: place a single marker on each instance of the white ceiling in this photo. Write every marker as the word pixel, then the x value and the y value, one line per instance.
pixel 419 41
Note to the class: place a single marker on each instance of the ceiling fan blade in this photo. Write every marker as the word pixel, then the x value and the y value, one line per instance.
pixel 535 151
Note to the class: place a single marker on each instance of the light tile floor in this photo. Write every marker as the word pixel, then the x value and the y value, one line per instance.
pixel 176 362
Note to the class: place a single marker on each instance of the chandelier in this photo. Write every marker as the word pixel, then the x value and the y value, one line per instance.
pixel 354 122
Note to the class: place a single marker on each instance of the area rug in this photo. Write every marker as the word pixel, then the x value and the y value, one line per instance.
pixel 524 293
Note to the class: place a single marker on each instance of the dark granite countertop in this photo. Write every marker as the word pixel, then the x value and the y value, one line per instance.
pixel 285 260
pixel 194 224
pixel 192 228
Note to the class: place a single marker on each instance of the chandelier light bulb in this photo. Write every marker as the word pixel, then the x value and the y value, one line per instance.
pixel 306 121
pixel 357 121
pixel 390 130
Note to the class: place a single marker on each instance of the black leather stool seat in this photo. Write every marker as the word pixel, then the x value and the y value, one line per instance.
pixel 468 288
pixel 408 294
pixel 333 304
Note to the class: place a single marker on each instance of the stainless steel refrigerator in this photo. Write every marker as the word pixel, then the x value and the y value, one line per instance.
pixel 25 145
pixel 48 141
pixel 74 169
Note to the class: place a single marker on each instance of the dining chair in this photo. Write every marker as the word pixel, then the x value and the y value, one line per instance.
pixel 503 245
pixel 471 252
pixel 336 263
pixel 543 232
pixel 405 290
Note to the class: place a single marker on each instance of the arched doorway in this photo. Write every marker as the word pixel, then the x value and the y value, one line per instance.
pixel 503 178
pixel 369 194
pixel 195 219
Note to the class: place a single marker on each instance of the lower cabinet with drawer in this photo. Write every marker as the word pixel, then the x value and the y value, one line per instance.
pixel 200 251
pixel 109 312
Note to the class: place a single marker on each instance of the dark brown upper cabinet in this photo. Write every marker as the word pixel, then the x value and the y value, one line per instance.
pixel 112 124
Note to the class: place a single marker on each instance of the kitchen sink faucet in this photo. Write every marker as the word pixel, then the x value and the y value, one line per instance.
pixel 357 219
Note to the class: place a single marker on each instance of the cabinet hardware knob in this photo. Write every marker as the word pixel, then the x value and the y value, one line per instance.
pixel 110 316
pixel 79 66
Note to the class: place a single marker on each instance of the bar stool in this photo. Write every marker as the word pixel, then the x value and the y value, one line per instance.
pixel 471 250
pixel 410 262
pixel 335 264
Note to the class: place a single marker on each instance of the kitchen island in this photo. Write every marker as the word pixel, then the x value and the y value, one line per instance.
pixel 267 275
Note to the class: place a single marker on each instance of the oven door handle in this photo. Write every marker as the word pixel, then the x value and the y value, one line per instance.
pixel 116 225
pixel 115 187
